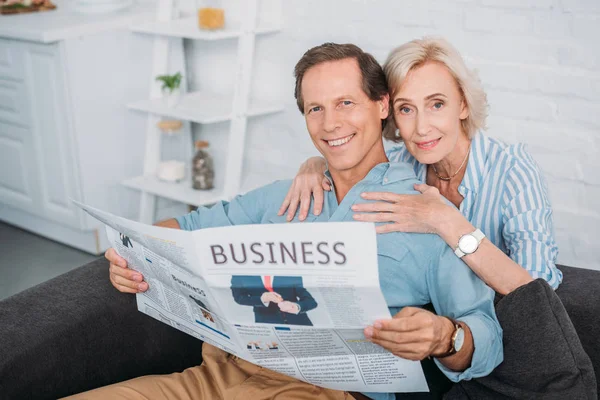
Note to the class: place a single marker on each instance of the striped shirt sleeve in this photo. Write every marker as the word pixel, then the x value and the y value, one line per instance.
pixel 527 215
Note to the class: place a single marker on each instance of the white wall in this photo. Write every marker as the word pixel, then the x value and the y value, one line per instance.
pixel 539 61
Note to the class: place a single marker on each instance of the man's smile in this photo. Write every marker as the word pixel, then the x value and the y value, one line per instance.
pixel 339 141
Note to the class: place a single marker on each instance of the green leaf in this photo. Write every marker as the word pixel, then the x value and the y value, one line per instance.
pixel 170 82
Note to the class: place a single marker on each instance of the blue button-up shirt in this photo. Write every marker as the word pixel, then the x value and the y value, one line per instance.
pixel 414 269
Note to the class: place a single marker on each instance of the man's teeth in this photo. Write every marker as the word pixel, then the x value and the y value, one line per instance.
pixel 341 141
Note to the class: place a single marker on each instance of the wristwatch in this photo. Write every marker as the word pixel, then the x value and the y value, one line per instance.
pixel 469 243
pixel 458 339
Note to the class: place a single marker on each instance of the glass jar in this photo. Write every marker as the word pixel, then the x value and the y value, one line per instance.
pixel 211 14
pixel 203 172
pixel 171 167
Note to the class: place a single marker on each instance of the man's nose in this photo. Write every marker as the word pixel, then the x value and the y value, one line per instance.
pixel 423 126
pixel 331 121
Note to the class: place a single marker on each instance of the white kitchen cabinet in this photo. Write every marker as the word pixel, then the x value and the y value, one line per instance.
pixel 64 131
pixel 37 137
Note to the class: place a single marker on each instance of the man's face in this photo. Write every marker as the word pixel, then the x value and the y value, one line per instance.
pixel 344 124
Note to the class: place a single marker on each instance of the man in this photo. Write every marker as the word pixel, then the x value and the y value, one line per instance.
pixel 275 299
pixel 342 92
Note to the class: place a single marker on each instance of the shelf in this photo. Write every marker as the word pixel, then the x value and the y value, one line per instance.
pixel 181 192
pixel 203 107
pixel 188 28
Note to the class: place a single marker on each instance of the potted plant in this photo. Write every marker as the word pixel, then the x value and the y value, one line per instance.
pixel 170 88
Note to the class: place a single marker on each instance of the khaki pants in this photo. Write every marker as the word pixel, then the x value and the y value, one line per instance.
pixel 221 376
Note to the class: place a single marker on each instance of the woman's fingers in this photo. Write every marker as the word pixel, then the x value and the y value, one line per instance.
pixel 326 184
pixel 319 199
pixel 375 217
pixel 385 196
pixel 295 200
pixel 421 187
pixel 304 205
pixel 375 207
pixel 286 202
pixel 391 227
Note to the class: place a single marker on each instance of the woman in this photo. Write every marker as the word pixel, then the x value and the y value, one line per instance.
pixel 439 107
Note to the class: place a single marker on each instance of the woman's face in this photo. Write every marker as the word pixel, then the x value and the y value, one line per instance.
pixel 428 110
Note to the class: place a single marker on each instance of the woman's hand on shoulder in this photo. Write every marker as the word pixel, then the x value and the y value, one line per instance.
pixel 420 213
pixel 309 181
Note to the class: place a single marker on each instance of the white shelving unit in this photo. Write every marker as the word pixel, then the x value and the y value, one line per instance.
pixel 203 108
pixel 197 107
pixel 187 28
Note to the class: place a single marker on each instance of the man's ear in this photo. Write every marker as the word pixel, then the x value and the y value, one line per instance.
pixel 384 106
pixel 464 110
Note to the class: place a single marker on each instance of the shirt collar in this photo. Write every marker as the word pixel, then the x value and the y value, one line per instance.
pixel 476 165
pixel 385 173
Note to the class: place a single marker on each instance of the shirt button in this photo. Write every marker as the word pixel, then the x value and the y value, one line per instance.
pixel 385 180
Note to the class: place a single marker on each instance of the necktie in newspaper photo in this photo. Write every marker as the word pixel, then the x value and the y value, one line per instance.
pixel 268 284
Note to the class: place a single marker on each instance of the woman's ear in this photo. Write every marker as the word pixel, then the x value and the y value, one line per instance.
pixel 464 110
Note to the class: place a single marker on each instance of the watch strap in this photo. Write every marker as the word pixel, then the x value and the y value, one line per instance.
pixel 458 252
pixel 452 349
pixel 478 235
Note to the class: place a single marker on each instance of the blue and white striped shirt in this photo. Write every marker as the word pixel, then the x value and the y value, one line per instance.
pixel 506 197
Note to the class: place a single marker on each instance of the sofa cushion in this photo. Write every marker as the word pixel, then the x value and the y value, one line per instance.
pixel 76 332
pixel 543 356
pixel 580 294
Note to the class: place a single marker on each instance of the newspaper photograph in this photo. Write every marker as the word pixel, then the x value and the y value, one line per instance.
pixel 293 298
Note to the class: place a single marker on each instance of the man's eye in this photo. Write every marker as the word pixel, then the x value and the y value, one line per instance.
pixel 315 109
pixel 346 102
pixel 404 110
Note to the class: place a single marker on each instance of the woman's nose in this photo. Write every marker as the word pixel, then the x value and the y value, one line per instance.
pixel 423 127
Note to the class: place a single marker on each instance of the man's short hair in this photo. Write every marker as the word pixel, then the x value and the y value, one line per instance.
pixel 374 83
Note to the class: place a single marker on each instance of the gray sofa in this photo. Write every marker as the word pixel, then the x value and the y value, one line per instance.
pixel 76 332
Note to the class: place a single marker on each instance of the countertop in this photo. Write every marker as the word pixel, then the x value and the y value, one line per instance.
pixel 65 22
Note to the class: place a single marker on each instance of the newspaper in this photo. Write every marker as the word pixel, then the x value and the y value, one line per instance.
pixel 293 298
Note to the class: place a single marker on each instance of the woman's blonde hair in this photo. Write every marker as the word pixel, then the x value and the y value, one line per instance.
pixel 416 53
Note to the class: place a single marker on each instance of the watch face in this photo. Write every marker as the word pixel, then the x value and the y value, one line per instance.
pixel 460 339
pixel 468 244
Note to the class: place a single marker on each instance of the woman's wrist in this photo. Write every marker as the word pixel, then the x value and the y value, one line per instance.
pixel 452 225
pixel 316 164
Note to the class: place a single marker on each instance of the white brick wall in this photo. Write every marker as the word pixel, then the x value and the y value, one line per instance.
pixel 538 59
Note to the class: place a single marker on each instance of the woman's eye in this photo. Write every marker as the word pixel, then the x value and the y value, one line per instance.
pixel 404 110
pixel 437 105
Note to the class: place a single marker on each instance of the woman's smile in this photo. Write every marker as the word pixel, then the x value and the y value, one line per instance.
pixel 428 145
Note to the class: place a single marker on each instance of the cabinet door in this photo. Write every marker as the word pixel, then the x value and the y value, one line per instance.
pixel 18 171
pixel 18 183
pixel 57 169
